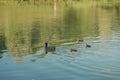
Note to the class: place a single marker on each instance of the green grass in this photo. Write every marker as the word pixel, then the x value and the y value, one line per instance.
pixel 84 3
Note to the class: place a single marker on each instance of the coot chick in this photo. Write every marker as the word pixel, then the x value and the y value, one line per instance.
pixel 73 50
pixel 88 45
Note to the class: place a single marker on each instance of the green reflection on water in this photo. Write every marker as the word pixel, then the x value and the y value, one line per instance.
pixel 25 29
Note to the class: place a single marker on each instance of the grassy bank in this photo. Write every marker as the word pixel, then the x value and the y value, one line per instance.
pixel 62 2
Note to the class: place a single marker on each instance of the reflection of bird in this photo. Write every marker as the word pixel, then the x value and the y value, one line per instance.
pixel 73 50
pixel 49 48
pixel 88 45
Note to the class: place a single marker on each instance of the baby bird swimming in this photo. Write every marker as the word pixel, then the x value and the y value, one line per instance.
pixel 88 45
pixel 79 40
pixel 73 50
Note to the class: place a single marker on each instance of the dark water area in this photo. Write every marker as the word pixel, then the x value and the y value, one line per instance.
pixel 25 29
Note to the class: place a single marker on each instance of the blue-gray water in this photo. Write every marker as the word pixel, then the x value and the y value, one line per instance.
pixel 25 29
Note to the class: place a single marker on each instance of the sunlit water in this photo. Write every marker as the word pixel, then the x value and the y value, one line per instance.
pixel 24 30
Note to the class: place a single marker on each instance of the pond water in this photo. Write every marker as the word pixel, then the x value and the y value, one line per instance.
pixel 25 29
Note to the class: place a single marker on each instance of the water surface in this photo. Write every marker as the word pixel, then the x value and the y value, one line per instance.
pixel 25 29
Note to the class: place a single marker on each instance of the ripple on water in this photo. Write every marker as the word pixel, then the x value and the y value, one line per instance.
pixel 98 62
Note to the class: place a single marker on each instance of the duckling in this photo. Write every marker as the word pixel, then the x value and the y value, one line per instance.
pixel 79 40
pixel 49 48
pixel 88 45
pixel 73 50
